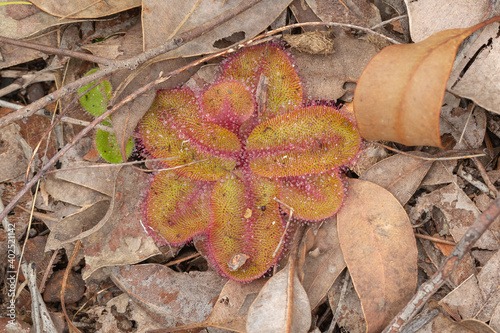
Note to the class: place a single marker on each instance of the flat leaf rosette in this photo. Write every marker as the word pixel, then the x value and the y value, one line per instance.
pixel 231 157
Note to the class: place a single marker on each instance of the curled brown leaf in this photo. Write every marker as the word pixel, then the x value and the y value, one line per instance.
pixel 400 93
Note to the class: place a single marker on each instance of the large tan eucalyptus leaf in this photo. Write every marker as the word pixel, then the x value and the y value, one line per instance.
pixel 379 249
pixel 399 94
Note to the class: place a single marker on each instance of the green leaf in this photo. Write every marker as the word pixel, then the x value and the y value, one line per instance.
pixel 95 100
pixel 108 148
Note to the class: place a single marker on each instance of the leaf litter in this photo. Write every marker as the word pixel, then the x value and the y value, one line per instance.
pixel 104 209
pixel 367 238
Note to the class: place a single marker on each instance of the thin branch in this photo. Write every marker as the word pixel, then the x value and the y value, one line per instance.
pixel 290 215
pixel 35 305
pixel 78 122
pixel 48 270
pixel 21 255
pixel 332 24
pixel 476 183
pixel 57 51
pixel 9 105
pixel 343 292
pixel 427 289
pixel 23 80
pixel 381 24
pixel 178 261
pixel 439 157
pixel 68 120
pixel 470 108
pixel 485 176
pixel 435 240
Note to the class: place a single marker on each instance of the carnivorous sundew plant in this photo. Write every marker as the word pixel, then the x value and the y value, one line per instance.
pixel 247 142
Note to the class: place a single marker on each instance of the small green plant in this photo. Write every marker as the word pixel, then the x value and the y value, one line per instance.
pixel 243 146
pixel 94 102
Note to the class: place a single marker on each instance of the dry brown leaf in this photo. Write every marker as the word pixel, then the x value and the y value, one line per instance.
pixel 466 300
pixel 371 154
pixel 100 179
pixel 120 238
pixel 114 235
pixel 399 95
pixel 428 256
pixel 462 272
pixel 489 277
pixel 399 174
pixel 495 319
pixel 69 229
pixel 430 16
pixel 34 253
pixel 111 316
pixel 20 21
pixel 478 297
pixel 303 13
pixel 119 47
pixel 11 55
pixel 444 248
pixel 96 29
pixel 76 153
pixel 323 263
pixel 170 297
pixel 14 153
pixel 327 77
pixel 33 129
pixel 20 218
pixel 489 282
pixel 202 77
pixel 379 249
pixel 350 314
pixel 441 172
pixel 74 194
pixel 85 8
pixel 75 287
pixel 443 324
pixel 161 22
pixel 230 310
pixel 475 77
pixel 269 311
pixel 459 212
pixel 467 129
pixel 481 256
pixel 477 326
pixel 356 12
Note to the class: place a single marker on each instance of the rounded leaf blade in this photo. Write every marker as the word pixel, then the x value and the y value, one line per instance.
pixel 309 140
pixel 379 249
